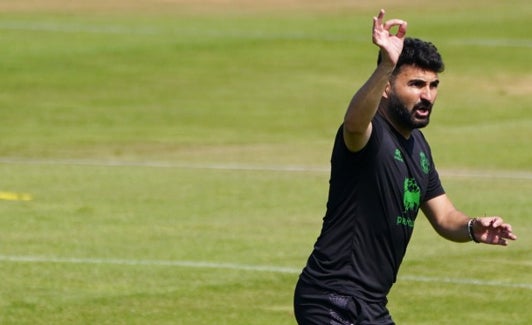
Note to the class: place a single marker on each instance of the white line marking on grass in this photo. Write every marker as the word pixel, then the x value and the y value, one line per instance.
pixel 488 42
pixel 69 27
pixel 73 28
pixel 499 174
pixel 191 264
pixel 241 267
pixel 159 164
pixel 416 278
pixel 466 173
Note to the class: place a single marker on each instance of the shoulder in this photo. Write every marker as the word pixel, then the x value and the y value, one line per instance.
pixel 421 140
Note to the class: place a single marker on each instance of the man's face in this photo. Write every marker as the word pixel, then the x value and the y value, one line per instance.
pixel 411 95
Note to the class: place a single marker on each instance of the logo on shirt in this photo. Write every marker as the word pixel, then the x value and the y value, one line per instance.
pixel 398 156
pixel 411 199
pixel 425 163
pixel 412 195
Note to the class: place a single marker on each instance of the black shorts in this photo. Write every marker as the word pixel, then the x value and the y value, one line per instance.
pixel 315 307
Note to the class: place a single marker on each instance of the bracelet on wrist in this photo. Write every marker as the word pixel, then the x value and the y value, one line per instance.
pixel 470 231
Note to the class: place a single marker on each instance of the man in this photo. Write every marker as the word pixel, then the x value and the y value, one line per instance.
pixel 382 173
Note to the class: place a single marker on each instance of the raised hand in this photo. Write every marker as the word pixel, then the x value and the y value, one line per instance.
pixel 391 45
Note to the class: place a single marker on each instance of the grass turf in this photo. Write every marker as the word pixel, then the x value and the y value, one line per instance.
pixel 183 86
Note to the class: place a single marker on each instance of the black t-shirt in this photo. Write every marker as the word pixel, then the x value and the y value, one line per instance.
pixel 374 198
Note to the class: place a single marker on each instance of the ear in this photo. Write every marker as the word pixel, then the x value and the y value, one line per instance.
pixel 387 90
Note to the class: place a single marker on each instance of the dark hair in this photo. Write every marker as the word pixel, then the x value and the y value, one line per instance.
pixel 420 54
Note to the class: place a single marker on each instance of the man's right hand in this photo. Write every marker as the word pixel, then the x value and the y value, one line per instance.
pixel 390 45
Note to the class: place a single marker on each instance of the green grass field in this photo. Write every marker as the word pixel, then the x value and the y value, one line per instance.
pixel 176 154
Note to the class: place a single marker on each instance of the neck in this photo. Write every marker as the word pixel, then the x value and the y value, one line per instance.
pixel 404 131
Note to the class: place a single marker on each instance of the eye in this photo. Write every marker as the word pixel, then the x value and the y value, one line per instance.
pixel 417 83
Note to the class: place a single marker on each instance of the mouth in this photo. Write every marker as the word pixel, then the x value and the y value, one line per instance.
pixel 422 113
pixel 422 110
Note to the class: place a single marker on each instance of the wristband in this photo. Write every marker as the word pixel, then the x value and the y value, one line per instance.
pixel 470 230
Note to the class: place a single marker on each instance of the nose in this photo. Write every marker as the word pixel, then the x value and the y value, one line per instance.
pixel 428 93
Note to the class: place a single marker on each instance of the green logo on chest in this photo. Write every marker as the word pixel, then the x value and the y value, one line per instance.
pixel 412 195
pixel 398 156
pixel 411 199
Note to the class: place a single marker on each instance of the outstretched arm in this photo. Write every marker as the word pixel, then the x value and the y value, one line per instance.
pixel 364 105
pixel 456 226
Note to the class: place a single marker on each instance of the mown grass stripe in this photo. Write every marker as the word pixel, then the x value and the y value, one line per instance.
pixel 47 26
pixel 242 267
pixel 465 173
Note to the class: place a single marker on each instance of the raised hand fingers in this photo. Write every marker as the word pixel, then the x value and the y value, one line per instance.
pixel 378 24
pixel 390 45
pixel 378 20
pixel 401 32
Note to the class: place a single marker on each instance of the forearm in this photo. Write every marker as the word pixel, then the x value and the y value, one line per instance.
pixel 448 221
pixel 454 227
pixel 365 102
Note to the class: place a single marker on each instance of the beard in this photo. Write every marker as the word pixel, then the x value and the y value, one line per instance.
pixel 417 118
